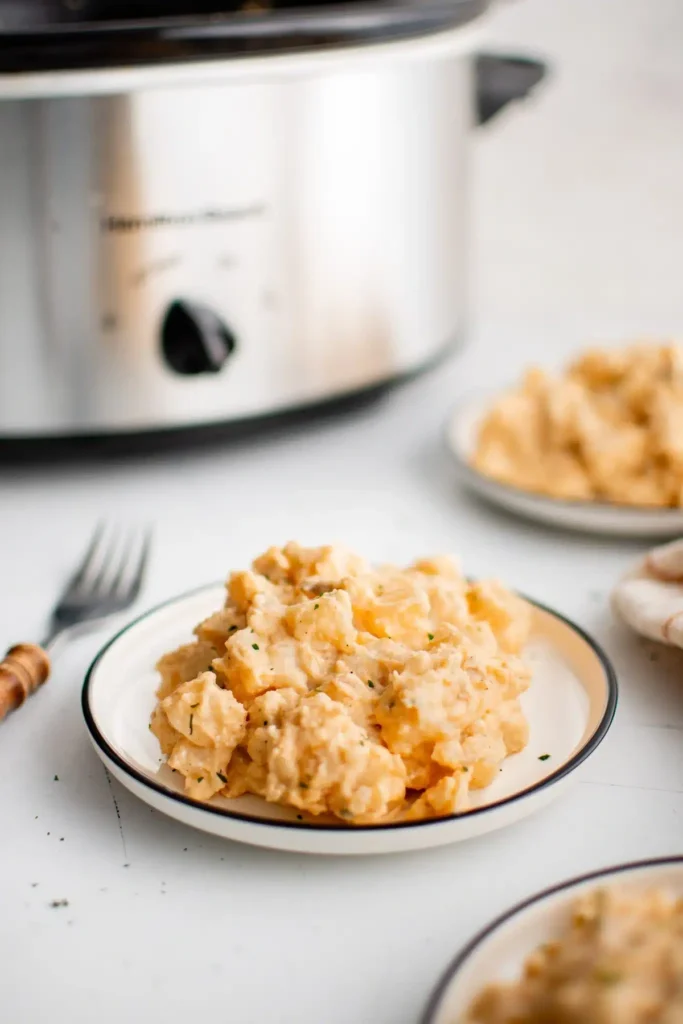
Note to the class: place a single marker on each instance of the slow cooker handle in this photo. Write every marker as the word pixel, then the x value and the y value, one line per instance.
pixel 501 79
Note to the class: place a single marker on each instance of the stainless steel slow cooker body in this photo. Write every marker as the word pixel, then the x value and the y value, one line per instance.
pixel 186 243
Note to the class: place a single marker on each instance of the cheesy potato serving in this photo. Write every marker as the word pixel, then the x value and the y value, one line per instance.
pixel 336 688
pixel 608 429
pixel 620 961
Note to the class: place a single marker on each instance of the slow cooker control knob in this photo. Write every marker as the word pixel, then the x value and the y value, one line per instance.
pixel 194 340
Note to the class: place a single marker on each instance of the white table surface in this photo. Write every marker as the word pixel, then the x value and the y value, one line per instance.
pixel 579 235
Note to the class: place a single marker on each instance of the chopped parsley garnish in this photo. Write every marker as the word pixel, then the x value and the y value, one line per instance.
pixel 430 635
pixel 544 757
pixel 221 776
pixel 232 629
pixel 195 705
pixel 56 778
pixel 256 647
pixel 371 684
pixel 464 768
pixel 200 779
pixel 315 607
pixel 303 785
pixel 191 720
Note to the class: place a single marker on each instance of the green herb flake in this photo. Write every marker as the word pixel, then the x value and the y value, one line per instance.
pixel 256 647
pixel 232 629
pixel 195 705
pixel 221 776
pixel 315 607
pixel 345 813
pixel 607 977
pixel 191 721
pixel 56 778
pixel 200 779
pixel 544 757
pixel 303 785
pixel 265 721
pixel 464 768
pixel 371 684
pixel 430 635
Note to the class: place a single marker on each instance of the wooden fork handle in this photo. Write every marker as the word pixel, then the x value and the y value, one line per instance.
pixel 23 671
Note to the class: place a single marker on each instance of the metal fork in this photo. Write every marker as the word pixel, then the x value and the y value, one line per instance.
pixel 107 581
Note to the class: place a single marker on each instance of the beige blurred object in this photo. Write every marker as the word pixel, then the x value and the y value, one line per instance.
pixel 606 429
pixel 650 598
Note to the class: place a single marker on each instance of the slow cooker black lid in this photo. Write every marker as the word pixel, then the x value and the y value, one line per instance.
pixel 51 35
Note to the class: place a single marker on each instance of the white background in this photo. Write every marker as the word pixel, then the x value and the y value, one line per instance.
pixel 578 235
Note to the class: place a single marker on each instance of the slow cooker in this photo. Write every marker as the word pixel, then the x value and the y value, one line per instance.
pixel 211 215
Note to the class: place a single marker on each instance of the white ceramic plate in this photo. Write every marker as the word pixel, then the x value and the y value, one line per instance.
pixel 570 706
pixel 498 953
pixel 585 516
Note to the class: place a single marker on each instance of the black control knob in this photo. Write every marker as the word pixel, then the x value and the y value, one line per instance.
pixel 194 340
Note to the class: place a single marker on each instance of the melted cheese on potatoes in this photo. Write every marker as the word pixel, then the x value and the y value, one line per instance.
pixel 610 428
pixel 336 688
pixel 619 961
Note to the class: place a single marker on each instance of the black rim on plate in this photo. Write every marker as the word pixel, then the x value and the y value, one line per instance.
pixel 566 769
pixel 456 965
